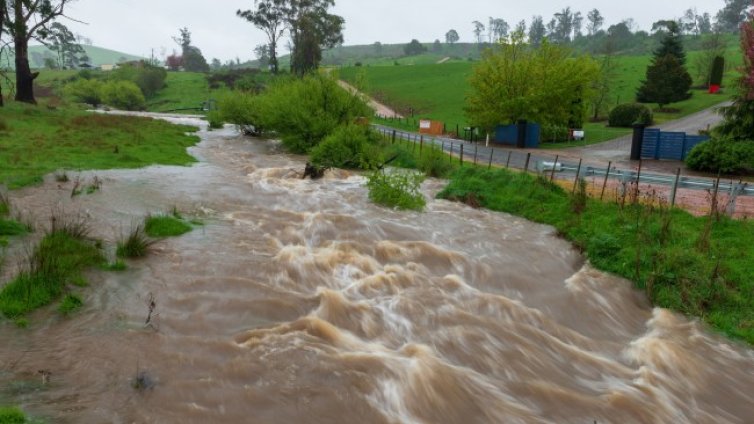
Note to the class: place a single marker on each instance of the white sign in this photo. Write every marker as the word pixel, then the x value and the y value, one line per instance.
pixel 578 135
pixel 425 125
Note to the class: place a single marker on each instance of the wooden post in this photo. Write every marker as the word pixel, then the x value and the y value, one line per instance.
pixel 578 173
pixel 526 166
pixel 552 174
pixel 450 153
pixel 508 162
pixel 421 146
pixel 457 129
pixel 393 137
pixel 475 153
pixel 607 175
pixel 461 154
pixel 675 187
pixel 492 151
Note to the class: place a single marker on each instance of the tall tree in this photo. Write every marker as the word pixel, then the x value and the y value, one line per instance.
pixel 712 46
pixel 667 80
pixel 578 24
pixel 3 13
pixel 29 20
pixel 478 32
pixel 312 28
pixel 733 14
pixel 269 16
pixel 537 31
pixel 594 22
pixel 540 84
pixel 564 26
pixel 498 29
pixel 64 43
pixel 192 58
pixel 451 37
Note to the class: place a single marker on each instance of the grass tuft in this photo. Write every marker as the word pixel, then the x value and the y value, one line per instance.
pixel 135 245
pixel 11 415
pixel 70 304
pixel 166 226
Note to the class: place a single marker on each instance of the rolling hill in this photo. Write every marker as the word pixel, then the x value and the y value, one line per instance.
pixel 98 55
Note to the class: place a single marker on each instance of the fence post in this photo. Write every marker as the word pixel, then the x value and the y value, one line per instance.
pixel 508 162
pixel 492 151
pixel 461 154
pixel 421 146
pixel 638 176
pixel 578 173
pixel 607 175
pixel 526 166
pixel 393 137
pixel 450 153
pixel 475 153
pixel 552 174
pixel 675 187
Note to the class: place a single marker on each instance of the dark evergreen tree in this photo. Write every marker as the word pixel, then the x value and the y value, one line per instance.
pixel 667 79
pixel 414 48
pixel 739 117
pixel 667 82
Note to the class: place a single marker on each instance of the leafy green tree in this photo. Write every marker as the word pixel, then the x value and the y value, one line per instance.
pixel 194 61
pixel 63 42
pixel 733 14
pixel 667 80
pixel 594 22
pixel 414 48
pixel 543 84
pixel 451 37
pixel 312 29
pixel 437 47
pixel 537 31
pixel 478 32
pixel 712 46
pixel 269 16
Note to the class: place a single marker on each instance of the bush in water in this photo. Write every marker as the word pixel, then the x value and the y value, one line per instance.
pixel 398 190
pixel 305 111
pixel 434 163
pixel 349 146
pixel 123 95
pixel 243 110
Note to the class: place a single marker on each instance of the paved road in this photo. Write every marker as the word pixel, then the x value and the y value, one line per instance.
pixel 619 150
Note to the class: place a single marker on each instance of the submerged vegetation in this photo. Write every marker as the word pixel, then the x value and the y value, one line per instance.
pixel 165 226
pixel 59 260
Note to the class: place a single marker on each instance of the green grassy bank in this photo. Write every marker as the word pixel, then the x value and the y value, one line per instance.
pixel 35 141
pixel 701 267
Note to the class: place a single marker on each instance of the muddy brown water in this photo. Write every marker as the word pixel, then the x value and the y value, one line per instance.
pixel 301 302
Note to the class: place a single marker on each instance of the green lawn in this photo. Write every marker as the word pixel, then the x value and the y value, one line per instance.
pixel 184 90
pixel 40 141
pixel 438 91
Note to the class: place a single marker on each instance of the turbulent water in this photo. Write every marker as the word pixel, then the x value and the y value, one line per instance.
pixel 300 302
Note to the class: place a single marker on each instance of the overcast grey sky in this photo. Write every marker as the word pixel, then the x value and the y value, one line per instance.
pixel 137 26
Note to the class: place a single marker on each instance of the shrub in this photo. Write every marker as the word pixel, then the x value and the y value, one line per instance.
pixel 350 146
pixel 305 111
pixel 398 190
pixel 87 91
pixel 725 156
pixel 629 114
pixel 149 79
pixel 215 119
pixel 243 110
pixel 434 163
pixel 123 95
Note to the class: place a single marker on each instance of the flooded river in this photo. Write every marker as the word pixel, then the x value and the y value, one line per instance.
pixel 300 302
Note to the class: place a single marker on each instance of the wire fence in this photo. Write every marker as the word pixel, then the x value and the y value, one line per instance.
pixel 696 194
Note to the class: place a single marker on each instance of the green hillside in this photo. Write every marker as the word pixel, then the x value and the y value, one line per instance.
pixel 99 56
pixel 438 91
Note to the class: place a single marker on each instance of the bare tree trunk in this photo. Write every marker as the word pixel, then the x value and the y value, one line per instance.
pixel 24 76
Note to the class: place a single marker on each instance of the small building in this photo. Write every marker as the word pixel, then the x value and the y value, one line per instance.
pixel 108 68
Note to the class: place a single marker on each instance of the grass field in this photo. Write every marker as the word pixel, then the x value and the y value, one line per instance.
pixel 40 141
pixel 184 90
pixel 438 91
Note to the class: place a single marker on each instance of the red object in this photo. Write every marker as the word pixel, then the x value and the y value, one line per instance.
pixel 714 89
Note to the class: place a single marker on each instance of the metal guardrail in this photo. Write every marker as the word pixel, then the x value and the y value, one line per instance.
pixel 541 164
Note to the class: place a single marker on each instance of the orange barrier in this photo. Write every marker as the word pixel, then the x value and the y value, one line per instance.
pixel 431 127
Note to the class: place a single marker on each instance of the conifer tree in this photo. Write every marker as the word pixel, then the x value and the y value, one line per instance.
pixel 667 80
